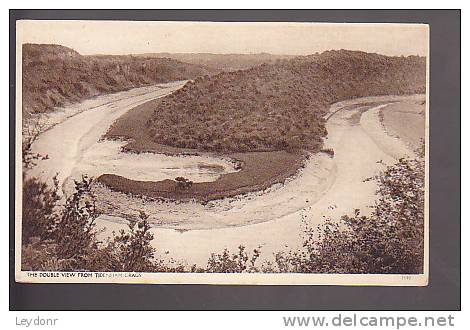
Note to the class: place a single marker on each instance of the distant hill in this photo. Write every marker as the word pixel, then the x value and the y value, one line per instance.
pixel 277 106
pixel 55 75
pixel 222 62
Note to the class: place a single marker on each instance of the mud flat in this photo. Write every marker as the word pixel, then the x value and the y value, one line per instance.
pixel 74 146
pixel 278 200
pixel 272 219
pixel 359 154
pixel 49 119
pixel 406 121
pixel 255 170
pixel 394 147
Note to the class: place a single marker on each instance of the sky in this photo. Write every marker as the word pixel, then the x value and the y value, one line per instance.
pixel 132 37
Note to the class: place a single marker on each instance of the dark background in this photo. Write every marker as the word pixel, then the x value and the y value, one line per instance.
pixel 443 292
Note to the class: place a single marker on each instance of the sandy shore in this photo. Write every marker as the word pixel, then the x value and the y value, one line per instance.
pixel 271 219
pixel 361 151
pixel 406 121
pixel 73 143
pixel 48 120
pixel 281 199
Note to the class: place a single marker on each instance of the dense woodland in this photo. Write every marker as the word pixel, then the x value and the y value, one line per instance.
pixel 277 106
pixel 223 62
pixel 55 75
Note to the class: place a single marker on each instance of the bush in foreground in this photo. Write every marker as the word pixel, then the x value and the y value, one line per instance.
pixel 388 241
pixel 39 206
pixel 240 262
pixel 65 238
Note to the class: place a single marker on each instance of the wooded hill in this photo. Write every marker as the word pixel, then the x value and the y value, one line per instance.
pixel 223 62
pixel 277 106
pixel 55 75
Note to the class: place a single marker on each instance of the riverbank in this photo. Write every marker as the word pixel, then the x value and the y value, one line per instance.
pixel 282 212
pixel 239 210
pixel 195 208
pixel 406 121
pixel 257 171
pixel 69 132
pixel 273 218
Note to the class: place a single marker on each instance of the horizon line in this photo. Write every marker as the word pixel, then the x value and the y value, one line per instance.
pixel 209 53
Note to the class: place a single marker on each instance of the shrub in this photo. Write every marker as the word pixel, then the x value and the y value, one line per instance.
pixel 183 183
pixel 38 255
pixel 39 209
pixel 133 250
pixel 29 158
pixel 74 231
pixel 39 200
pixel 390 240
pixel 63 237
pixel 227 262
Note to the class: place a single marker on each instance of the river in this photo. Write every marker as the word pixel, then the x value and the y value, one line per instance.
pixel 273 220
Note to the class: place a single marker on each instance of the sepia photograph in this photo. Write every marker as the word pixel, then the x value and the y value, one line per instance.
pixel 183 152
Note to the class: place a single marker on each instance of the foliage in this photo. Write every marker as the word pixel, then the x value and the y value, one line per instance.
pixel 29 158
pixel 279 106
pixel 39 209
pixel 389 240
pixel 55 75
pixel 40 255
pixel 227 262
pixel 133 249
pixel 64 238
pixel 58 237
pixel 183 183
pixel 74 232
pixel 38 200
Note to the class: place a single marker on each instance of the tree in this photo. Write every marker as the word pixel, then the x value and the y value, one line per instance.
pixel 74 231
pixel 39 209
pixel 38 200
pixel 133 248
pixel 58 237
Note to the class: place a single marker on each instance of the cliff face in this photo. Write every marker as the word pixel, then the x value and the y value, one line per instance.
pixel 277 106
pixel 55 75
